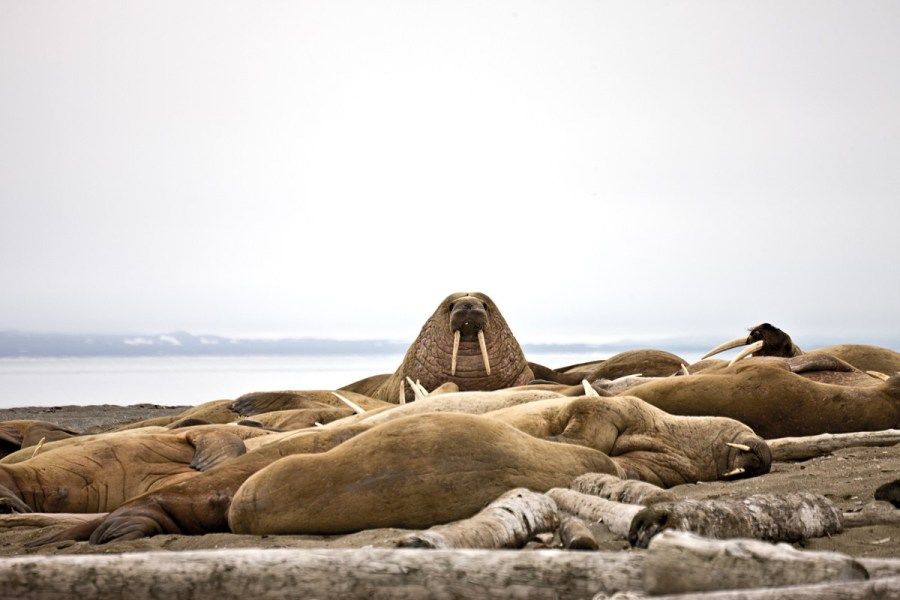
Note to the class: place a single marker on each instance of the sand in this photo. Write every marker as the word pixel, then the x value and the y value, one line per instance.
pixel 848 477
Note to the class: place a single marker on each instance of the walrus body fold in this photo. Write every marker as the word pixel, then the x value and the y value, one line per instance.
pixel 102 473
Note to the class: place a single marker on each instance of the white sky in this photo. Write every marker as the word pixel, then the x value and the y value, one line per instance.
pixel 335 168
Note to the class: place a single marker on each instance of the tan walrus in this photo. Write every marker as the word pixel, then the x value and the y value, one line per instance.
pixel 426 470
pixel 775 402
pixel 768 340
pixel 15 435
pixel 100 473
pixel 648 436
pixel 467 342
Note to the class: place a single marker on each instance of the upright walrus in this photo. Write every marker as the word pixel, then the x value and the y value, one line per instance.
pixel 466 341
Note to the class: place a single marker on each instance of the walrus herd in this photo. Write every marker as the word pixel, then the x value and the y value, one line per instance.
pixel 462 420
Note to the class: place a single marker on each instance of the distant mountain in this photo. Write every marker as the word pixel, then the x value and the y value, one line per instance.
pixel 28 344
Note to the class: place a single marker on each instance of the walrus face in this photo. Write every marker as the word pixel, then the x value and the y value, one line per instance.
pixel 763 340
pixel 468 320
pixel 749 456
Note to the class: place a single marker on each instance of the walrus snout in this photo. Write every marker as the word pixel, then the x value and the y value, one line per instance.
pixel 468 316
pixel 763 340
pixel 749 457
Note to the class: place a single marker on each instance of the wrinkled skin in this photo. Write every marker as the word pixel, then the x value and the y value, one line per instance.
pixel 775 402
pixel 428 359
pixel 101 473
pixel 199 505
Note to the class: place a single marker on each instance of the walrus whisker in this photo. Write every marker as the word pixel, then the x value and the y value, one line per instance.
pixel 743 447
pixel 741 341
pixel 355 407
pixel 589 389
pixel 484 352
pixel 747 351
pixel 736 471
pixel 456 335
pixel 878 375
pixel 38 447
pixel 417 389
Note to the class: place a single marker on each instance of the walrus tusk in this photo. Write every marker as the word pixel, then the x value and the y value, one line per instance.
pixel 484 354
pixel 737 471
pixel 421 388
pixel 317 424
pixel 742 341
pixel 684 369
pixel 743 447
pixel 747 351
pixel 455 352
pixel 589 389
pixel 417 389
pixel 401 395
pixel 878 375
pixel 356 407
pixel 39 444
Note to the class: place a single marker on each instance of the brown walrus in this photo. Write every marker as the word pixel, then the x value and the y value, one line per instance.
pixel 199 505
pixel 647 362
pixel 15 435
pixel 775 402
pixel 426 470
pixel 768 340
pixel 467 342
pixel 256 403
pixel 100 473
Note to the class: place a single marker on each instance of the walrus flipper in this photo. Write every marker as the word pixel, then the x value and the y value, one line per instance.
pixel 79 533
pixel 212 448
pixel 10 503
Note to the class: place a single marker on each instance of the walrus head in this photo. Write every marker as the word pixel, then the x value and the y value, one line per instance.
pixel 763 340
pixel 467 342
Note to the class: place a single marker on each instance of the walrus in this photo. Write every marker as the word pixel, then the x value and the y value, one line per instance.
pixel 18 434
pixel 646 362
pixel 256 403
pixel 467 342
pixel 768 340
pixel 199 505
pixel 774 401
pixel 99 474
pixel 438 467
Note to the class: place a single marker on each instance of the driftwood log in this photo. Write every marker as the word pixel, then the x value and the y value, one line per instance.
pixel 802 448
pixel 510 521
pixel 367 573
pixel 617 516
pixel 874 589
pixel 773 517
pixel 575 535
pixel 630 491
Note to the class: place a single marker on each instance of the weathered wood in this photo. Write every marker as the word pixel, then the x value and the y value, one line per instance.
pixel 630 491
pixel 368 573
pixel 617 516
pixel 575 535
pixel 773 517
pixel 45 519
pixel 874 589
pixel 802 448
pixel 680 562
pixel 510 521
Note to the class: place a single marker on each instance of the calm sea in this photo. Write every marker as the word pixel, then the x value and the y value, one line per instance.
pixel 170 380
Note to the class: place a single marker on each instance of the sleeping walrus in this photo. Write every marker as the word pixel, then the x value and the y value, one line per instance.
pixel 646 443
pixel 466 341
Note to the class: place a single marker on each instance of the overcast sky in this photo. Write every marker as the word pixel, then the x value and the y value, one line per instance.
pixel 335 168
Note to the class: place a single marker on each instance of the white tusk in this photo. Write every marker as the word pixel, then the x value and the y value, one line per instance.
pixel 455 352
pixel 421 388
pixel 743 447
pixel 588 389
pixel 737 471
pixel 417 389
pixel 484 354
pixel 356 407
pixel 39 444
pixel 726 346
pixel 747 351
pixel 401 397
pixel 878 375
pixel 684 369
pixel 317 424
